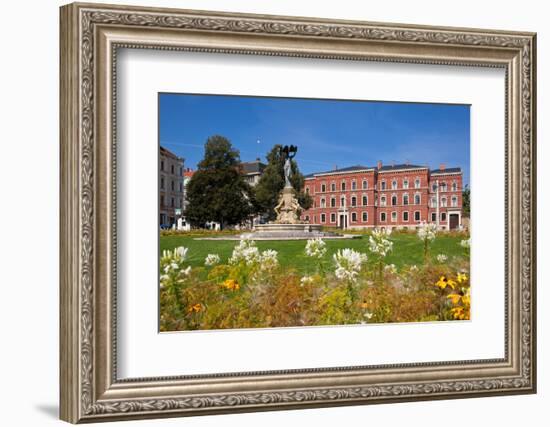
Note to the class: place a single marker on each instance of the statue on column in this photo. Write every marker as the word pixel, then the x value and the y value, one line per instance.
pixel 288 208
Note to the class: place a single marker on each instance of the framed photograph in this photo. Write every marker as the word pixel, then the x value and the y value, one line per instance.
pixel 266 212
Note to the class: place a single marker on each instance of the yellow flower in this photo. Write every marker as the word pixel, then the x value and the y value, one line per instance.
pixel 461 277
pixel 231 284
pixel 195 308
pixel 364 304
pixel 443 282
pixel 455 298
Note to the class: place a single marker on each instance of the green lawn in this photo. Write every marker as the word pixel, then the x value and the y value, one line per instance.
pixel 407 249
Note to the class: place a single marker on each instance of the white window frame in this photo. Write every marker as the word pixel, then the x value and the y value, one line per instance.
pixel 403 216
pixel 419 199
pixel 364 216
pixel 406 184
pixel 383 220
pixel 419 216
pixel 393 216
pixel 383 200
pixel 332 215
pixel 417 182
pixel 353 184
pixel 364 197
pixel 383 185
pixel 454 201
pixel 405 195
pixel 323 218
pixel 394 184
pixel 365 184
pixel 354 214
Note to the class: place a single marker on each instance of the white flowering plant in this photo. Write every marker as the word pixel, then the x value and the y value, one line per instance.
pixel 316 248
pixel 212 260
pixel 246 252
pixel 348 264
pixel 427 232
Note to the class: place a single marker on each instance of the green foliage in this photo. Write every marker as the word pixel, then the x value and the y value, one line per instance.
pixel 217 191
pixel 272 182
pixel 466 201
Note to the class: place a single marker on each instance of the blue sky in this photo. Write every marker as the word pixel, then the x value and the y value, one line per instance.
pixel 328 133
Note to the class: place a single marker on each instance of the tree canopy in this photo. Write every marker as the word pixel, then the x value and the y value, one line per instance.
pixel 466 201
pixel 272 182
pixel 217 191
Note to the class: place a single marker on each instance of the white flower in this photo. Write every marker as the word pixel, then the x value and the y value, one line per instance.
pixel 268 260
pixel 379 243
pixel 414 268
pixel 180 253
pixel 427 231
pixel 306 280
pixel 368 315
pixel 316 248
pixel 390 268
pixel 212 259
pixel 245 251
pixel 465 243
pixel 186 271
pixel 441 258
pixel 348 264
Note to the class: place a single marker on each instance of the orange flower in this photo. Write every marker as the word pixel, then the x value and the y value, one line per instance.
pixel 195 308
pixel 443 282
pixel 231 284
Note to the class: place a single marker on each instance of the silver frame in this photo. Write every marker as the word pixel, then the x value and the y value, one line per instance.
pixel 90 37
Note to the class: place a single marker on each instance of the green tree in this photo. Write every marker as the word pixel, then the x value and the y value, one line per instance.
pixel 217 191
pixel 272 182
pixel 466 201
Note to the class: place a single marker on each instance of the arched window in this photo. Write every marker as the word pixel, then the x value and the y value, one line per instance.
pixel 383 216
pixel 394 217
pixel 394 185
pixel 343 185
pixel 417 199
pixel 405 184
pixel 307 190
pixel 394 200
pixel 342 201
pixel 433 202
pixel 417 183
pixel 454 186
pixel 454 201
pixel 382 200
pixel 354 185
pixel 443 202
pixel 333 186
pixel 365 184
pixel 333 202
pixel 443 187
pixel 405 216
pixel 332 217
pixel 323 188
pixel 382 185
pixel 323 203
pixel 354 217
pixel 365 200
pixel 323 218
pixel 365 216
pixel 405 199
pixel 354 201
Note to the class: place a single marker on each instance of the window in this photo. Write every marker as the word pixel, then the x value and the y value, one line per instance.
pixel 332 217
pixel 162 182
pixel 323 217
pixel 383 185
pixel 354 201
pixel 323 188
pixel 394 185
pixel 307 190
pixel 172 169
pixel 394 200
pixel 434 217
pixel 454 186
pixel 454 201
pixel 333 202
pixel 162 165
pixel 405 216
pixel 172 185
pixel 434 187
pixel 417 216
pixel 343 186
pixel 172 202
pixel 383 201
pixel 365 184
pixel 162 200
pixel 181 171
pixel 333 187
pixel 383 216
pixel 306 218
pixel 417 199
pixel 416 183
pixel 443 187
pixel 354 217
pixel 353 185
pixel 365 216
pixel 443 202
pixel 181 187
pixel 406 184
pixel 443 216
pixel 365 200
pixel 433 202
pixel 405 199
pixel 323 203
pixel 394 217
pixel 343 201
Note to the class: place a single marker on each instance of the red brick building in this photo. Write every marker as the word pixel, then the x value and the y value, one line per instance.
pixel 385 196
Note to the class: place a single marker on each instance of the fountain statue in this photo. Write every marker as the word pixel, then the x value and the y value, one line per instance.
pixel 288 209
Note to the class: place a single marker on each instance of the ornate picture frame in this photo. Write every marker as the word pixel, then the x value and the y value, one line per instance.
pixel 90 37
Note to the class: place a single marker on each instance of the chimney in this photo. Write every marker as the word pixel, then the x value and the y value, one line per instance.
pixel 379 164
pixel 442 166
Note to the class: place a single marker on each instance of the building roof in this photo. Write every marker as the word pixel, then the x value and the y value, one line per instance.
pixel 403 166
pixel 355 168
pixel 168 153
pixel 254 167
pixel 188 173
pixel 446 170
